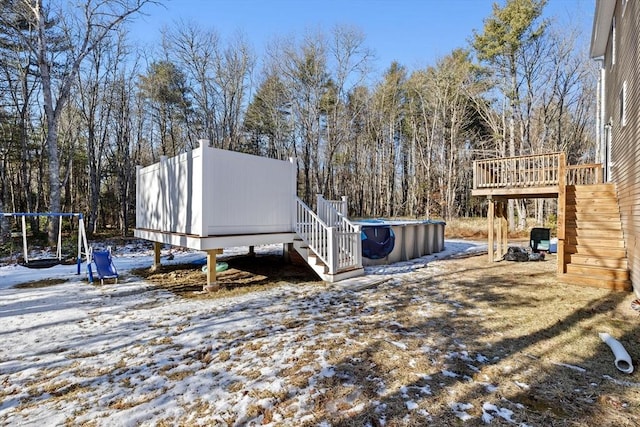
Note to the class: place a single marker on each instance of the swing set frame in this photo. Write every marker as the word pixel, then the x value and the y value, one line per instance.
pixel 82 235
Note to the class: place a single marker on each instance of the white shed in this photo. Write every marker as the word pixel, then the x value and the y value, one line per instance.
pixel 208 199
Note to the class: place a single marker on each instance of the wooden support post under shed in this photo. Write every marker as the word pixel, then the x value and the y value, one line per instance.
pixel 156 255
pixel 211 269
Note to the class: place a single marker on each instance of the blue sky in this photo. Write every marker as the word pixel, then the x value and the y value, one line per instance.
pixel 414 32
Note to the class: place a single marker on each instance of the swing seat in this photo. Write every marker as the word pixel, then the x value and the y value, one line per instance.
pixel 41 263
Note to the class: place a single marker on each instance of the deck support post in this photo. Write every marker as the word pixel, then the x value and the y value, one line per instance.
pixel 157 246
pixel 498 229
pixel 211 270
pixel 562 213
pixel 499 232
pixel 490 217
pixel 503 229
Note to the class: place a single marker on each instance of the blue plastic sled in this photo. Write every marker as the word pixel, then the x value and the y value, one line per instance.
pixel 104 266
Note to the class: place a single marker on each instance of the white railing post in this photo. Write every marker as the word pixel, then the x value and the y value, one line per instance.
pixel 358 246
pixel 320 207
pixel 332 250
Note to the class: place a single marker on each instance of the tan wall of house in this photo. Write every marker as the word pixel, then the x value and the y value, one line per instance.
pixel 625 147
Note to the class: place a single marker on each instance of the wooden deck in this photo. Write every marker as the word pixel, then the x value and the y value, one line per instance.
pixel 548 176
pixel 530 177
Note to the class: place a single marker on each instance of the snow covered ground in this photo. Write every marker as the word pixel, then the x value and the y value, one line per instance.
pixel 129 354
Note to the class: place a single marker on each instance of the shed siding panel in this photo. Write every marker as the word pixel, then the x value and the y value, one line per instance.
pixel 168 198
pixel 248 194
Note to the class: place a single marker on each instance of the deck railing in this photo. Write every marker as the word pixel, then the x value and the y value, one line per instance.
pixel 336 243
pixel 349 242
pixel 332 212
pixel 585 174
pixel 517 172
pixel 532 171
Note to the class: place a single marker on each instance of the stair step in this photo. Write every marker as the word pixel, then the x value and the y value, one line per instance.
pixel 594 233
pixel 598 272
pixel 591 216
pixel 599 261
pixel 595 241
pixel 591 208
pixel 592 187
pixel 594 225
pixel 595 251
pixel 582 280
pixel 314 259
pixel 344 274
pixel 598 199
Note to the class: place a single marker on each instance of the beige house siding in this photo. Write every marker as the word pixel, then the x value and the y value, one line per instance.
pixel 625 137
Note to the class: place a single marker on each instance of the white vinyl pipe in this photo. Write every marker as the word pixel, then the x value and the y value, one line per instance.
pixel 623 360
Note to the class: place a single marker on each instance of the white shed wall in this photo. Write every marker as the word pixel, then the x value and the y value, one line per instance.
pixel 247 194
pixel 213 192
pixel 169 195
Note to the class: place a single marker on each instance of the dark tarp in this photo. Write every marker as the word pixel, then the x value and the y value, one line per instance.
pixel 377 241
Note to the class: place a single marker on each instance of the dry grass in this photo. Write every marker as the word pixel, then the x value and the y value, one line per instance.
pixel 40 283
pixel 507 334
pixel 401 353
pixel 476 228
pixel 534 332
pixel 246 274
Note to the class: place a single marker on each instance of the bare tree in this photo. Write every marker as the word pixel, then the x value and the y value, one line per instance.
pixel 304 70
pixel 20 89
pixel 267 120
pixel 507 33
pixel 349 63
pixel 63 39
pixel 195 50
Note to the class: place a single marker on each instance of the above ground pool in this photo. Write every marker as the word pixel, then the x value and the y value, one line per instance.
pixel 388 241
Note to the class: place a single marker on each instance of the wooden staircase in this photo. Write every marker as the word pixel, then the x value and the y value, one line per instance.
pixel 594 247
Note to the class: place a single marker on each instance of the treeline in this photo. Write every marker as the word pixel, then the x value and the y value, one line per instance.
pixel 82 105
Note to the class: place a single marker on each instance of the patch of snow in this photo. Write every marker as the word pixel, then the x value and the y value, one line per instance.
pixel 132 354
pixel 453 248
pixel 425 389
pixel 489 411
pixel 411 405
pixel 401 346
pixel 481 358
pixel 460 410
pixel 490 388
pixel 328 372
pixel 566 365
